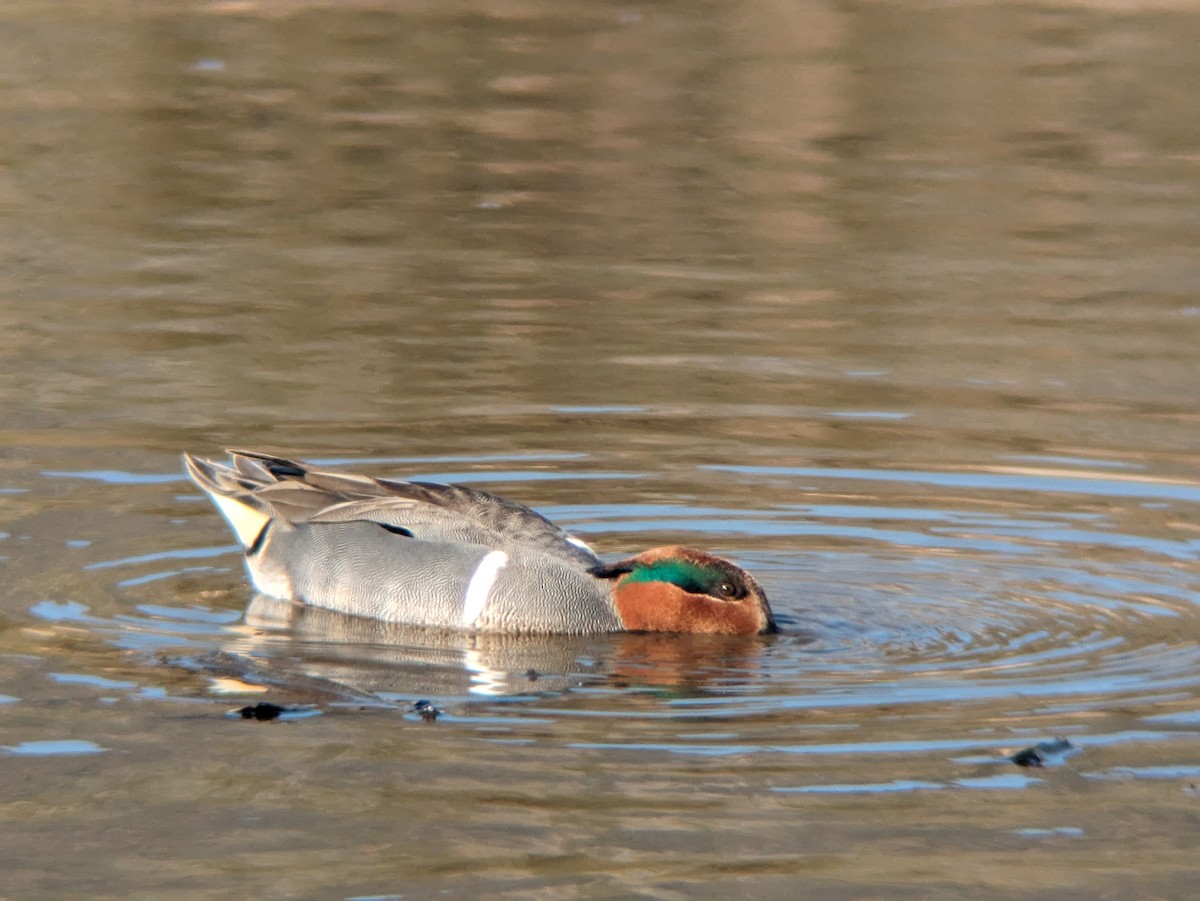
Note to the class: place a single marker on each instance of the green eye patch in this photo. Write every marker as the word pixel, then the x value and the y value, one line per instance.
pixel 691 577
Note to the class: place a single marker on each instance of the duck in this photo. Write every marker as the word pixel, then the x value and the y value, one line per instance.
pixel 449 556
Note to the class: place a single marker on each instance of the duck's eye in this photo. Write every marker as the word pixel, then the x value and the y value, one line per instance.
pixel 727 590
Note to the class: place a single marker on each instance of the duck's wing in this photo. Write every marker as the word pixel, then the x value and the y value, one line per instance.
pixel 429 511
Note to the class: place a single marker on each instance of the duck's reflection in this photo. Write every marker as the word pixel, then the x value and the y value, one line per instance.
pixel 315 653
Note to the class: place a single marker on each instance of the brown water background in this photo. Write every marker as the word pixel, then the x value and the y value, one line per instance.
pixel 898 304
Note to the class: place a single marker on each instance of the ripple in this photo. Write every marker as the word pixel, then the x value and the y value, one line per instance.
pixel 999 479
pixel 54 748
pixel 899 785
pixel 983 615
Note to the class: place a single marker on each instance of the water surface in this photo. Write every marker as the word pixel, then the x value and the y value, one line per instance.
pixel 896 305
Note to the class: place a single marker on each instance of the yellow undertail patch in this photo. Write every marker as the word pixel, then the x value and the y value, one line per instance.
pixel 246 521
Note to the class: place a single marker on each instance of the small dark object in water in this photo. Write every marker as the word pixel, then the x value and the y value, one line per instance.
pixel 428 712
pixel 263 710
pixel 1044 753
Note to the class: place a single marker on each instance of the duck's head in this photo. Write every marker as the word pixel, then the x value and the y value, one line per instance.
pixel 678 589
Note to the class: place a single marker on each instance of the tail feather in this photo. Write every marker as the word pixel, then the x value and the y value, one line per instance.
pixel 265 466
pixel 232 491
pixel 252 470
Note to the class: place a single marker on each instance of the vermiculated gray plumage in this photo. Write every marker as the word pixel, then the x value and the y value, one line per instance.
pixel 404 552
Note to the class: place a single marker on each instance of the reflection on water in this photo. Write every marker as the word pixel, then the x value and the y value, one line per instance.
pixel 895 304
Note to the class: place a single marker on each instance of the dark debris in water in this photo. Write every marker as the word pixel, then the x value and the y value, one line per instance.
pixel 265 711
pixel 1045 753
pixel 426 711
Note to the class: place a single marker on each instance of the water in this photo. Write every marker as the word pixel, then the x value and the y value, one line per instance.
pixel 895 305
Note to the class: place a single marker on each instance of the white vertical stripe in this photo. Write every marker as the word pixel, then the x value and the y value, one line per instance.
pixel 579 542
pixel 479 590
